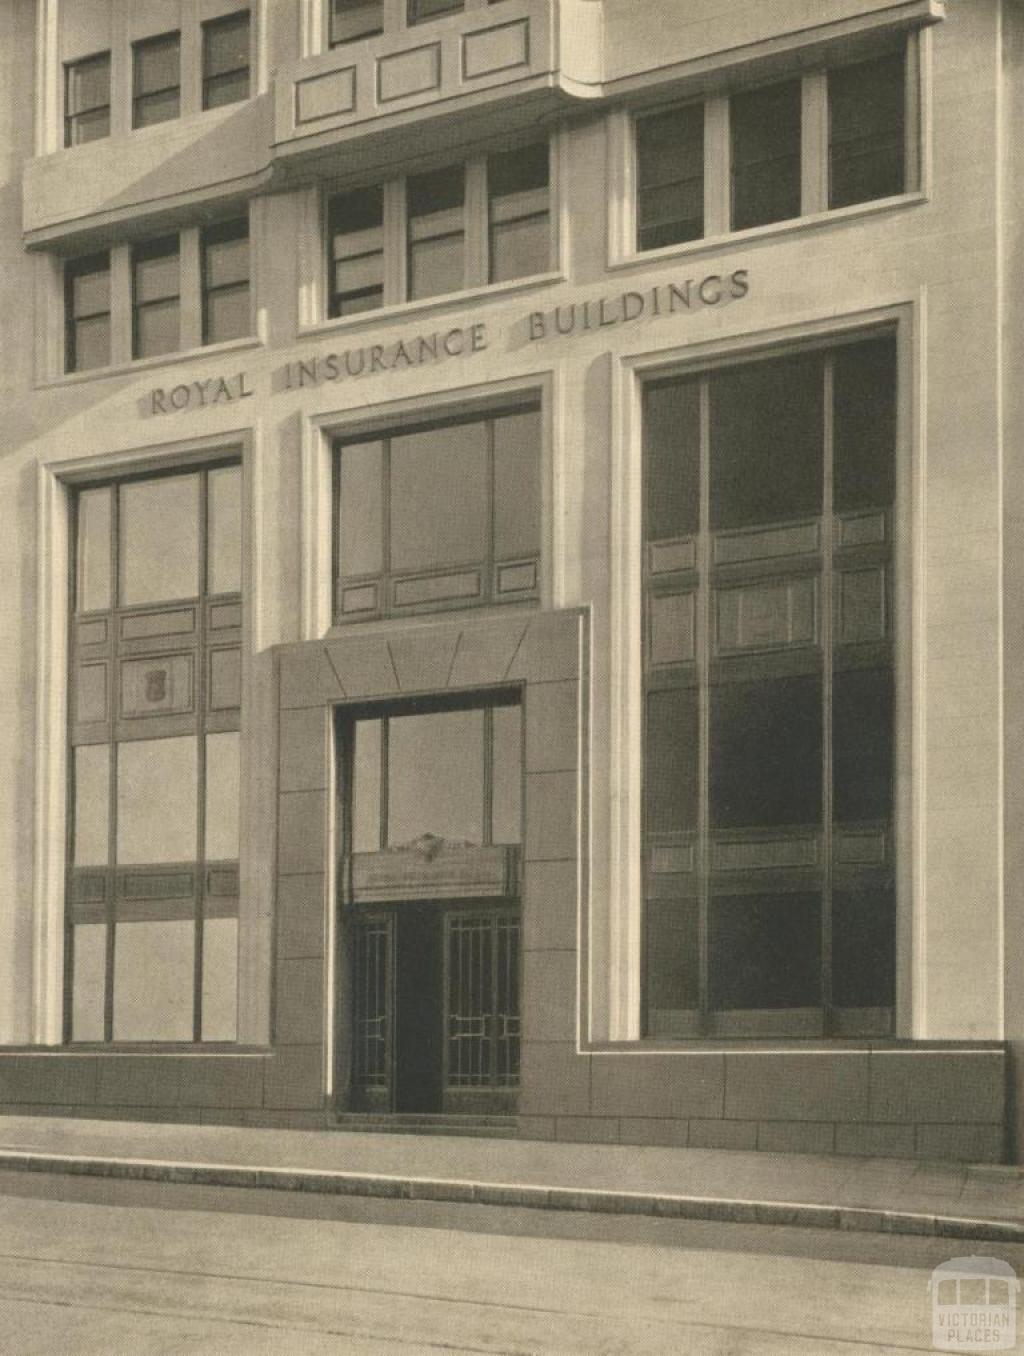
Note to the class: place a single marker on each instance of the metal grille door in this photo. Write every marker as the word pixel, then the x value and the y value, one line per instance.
pixel 371 941
pixel 483 1001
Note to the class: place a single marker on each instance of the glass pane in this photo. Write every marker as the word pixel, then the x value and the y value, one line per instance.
pixel 226 255
pixel 865 425
pixel 520 248
pixel 517 485
pixel 159 540
pixel 421 10
pixel 864 948
pixel 361 508
pixel 91 343
pixel 672 453
pixel 360 273
pixel 672 961
pixel 226 44
pixel 670 157
pixel 90 290
pixel 671 213
pixel 439 497
pixel 673 748
pixel 220 979
pixel 156 800
pixel 154 108
pixel 157 64
pixel 92 805
pixel 224 530
pixel 228 315
pixel 862 733
pixel 507 791
pixel 90 127
pixel 354 303
pixel 92 589
pixel 89 942
pixel 222 90
pixel 867 157
pixel 767 442
pixel 88 83
pixel 765 155
pixel 766 752
pixel 223 789
pixel 517 171
pixel 156 275
pixel 765 951
pixel 366 767
pixel 153 981
pixel 157 329
pixel 436 777
pixel 351 19
pixel 436 267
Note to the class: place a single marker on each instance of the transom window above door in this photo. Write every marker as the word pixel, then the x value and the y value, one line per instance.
pixel 438 516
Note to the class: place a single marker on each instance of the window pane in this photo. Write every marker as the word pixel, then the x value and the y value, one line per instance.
pixel 765 155
pixel 508 774
pixel 159 540
pixel 88 83
pixel 864 948
pixel 520 248
pixel 516 485
pixel 226 44
pixel 157 329
pixel 92 805
pixel 153 981
pixel 765 951
pixel 226 254
pixel 672 961
pixel 672 761
pixel 92 590
pixel 670 177
pixel 89 942
pixel 156 800
pixel 862 732
pixel 361 510
pixel 220 979
pixel 91 343
pixel 436 267
pixel 221 90
pixel 224 530
pixel 766 753
pixel 86 127
pixel 867 150
pixel 156 273
pixel 154 108
pixel 366 767
pixel 227 315
pixel 90 289
pixel 767 442
pixel 672 454
pixel 435 202
pixel 157 64
pixel 223 789
pixel 439 497
pixel 865 424
pixel 436 777
pixel 421 10
pixel 351 19
pixel 517 171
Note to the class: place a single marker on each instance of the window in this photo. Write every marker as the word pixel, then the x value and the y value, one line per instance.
pixel 226 60
pixel 226 308
pixel 420 11
pixel 155 694
pixel 87 313
pixel 747 166
pixel 353 19
pixel 438 516
pixel 156 80
pixel 156 301
pixel 769 708
pixel 87 100
pixel 487 221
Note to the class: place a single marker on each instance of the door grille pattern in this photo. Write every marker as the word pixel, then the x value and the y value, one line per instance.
pixel 372 964
pixel 483 1000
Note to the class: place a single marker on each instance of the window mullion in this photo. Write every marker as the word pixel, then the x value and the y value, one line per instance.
pixel 190 73
pixel 814 143
pixel 704 642
pixel 396 245
pixel 475 224
pixel 912 113
pixel 717 167
pixel 190 289
pixel 827 644
pixel 201 760
pixel 115 601
pixel 121 347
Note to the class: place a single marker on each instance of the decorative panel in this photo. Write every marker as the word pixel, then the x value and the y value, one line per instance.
pixel 406 73
pixel 672 628
pixel 665 557
pixel 152 625
pixel 517 578
pixel 157 687
pixel 91 693
pixel 672 858
pixel 436 588
pixel 861 529
pixel 225 679
pixel 92 632
pixel 225 616
pixel 156 884
pixel 362 598
pixel 453 873
pixel 861 597
pixel 762 854
pixel 867 848
pixel 767 543
pixel 321 96
pixel 496 49
pixel 767 615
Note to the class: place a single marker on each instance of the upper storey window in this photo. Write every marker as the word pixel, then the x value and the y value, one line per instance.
pixel 354 19
pixel 87 307
pixel 422 10
pixel 757 157
pixel 156 80
pixel 441 231
pixel 226 60
pixel 87 100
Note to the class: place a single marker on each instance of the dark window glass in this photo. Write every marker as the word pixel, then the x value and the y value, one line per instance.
pixel 353 19
pixel 156 304
pixel 673 748
pixel 670 177
pixel 517 186
pixel 867 131
pixel 87 313
pixel 765 951
pixel 226 60
pixel 156 80
pixel 864 948
pixel 356 227
pixel 766 747
pixel 226 310
pixel 862 723
pixel 865 424
pixel 672 959
pixel 672 452
pixel 87 100
pixel 765 155
pixel 421 10
pixel 436 232
pixel 766 442
pixel 439 496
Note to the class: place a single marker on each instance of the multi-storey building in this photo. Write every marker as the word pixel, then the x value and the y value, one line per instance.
pixel 512 532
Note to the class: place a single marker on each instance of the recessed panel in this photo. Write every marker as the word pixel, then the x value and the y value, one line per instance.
pixel 672 628
pixel 438 588
pixel 325 96
pixel 157 687
pixel 91 693
pixel 225 679
pixel 767 616
pixel 496 49
pixel 406 73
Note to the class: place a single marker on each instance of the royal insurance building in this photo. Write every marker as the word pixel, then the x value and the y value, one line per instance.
pixel 511 545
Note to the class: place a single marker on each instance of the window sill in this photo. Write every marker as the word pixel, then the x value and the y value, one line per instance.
pixel 785 1045
pixel 213 1050
pixel 150 364
pixel 715 244
pixel 385 315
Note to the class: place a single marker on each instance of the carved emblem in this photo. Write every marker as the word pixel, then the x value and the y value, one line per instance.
pixel 156 686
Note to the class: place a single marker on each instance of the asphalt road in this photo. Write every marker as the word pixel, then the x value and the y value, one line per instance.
pixel 172 1270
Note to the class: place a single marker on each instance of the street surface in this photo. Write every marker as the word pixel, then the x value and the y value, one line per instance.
pixel 183 1270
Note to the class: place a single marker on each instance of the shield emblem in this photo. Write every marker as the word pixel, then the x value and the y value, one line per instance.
pixel 156 686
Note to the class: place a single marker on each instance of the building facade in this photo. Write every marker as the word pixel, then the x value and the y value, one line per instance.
pixel 511 528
